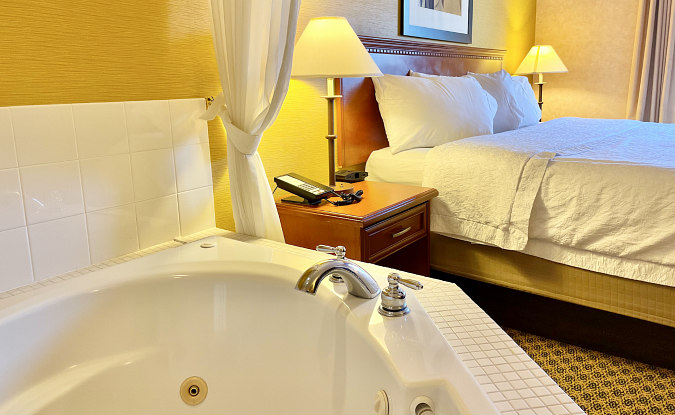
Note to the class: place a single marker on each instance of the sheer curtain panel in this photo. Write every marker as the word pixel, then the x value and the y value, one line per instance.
pixel 254 42
pixel 651 94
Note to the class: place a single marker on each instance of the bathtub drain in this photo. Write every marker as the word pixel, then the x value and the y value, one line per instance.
pixel 193 390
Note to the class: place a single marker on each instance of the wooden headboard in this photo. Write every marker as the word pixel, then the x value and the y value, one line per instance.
pixel 358 121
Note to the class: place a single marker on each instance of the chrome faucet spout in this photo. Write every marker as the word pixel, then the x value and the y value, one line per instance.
pixel 359 282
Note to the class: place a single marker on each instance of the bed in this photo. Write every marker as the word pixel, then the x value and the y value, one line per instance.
pixel 635 279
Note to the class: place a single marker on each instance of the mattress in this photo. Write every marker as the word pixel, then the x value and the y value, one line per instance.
pixel 607 159
pixel 405 167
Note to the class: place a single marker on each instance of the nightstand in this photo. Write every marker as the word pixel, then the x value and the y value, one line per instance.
pixel 390 226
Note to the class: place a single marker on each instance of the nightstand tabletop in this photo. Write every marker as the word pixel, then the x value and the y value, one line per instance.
pixel 380 199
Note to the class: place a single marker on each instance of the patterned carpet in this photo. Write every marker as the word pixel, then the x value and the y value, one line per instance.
pixel 600 383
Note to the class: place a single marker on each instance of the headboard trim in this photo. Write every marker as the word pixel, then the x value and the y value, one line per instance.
pixel 414 48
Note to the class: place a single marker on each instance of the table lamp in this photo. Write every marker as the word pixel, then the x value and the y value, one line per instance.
pixel 541 59
pixel 329 48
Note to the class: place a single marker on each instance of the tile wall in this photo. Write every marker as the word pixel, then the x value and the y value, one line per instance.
pixel 84 183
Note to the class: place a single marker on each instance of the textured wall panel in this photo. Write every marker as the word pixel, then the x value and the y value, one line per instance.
pixel 74 51
pixel 595 41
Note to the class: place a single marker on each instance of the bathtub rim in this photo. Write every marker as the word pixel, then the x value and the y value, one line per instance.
pixel 361 309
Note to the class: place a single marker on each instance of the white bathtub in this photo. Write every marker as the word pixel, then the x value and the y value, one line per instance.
pixel 123 339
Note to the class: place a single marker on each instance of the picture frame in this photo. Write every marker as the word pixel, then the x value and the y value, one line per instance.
pixel 449 20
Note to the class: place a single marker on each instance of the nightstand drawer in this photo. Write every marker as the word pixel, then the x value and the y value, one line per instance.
pixel 391 234
pixel 390 226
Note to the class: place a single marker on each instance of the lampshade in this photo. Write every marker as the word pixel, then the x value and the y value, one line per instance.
pixel 541 59
pixel 329 48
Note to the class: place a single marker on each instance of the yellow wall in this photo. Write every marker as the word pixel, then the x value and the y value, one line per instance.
pixel 64 51
pixel 595 41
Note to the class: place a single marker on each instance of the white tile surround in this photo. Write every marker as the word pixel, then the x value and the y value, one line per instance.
pixel 514 382
pixel 84 183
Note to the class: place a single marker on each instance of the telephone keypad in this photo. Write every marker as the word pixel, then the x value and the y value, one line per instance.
pixel 311 189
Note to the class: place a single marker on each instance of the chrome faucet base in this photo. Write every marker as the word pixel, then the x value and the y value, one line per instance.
pixel 393 298
pixel 393 313
pixel 336 279
pixel 359 282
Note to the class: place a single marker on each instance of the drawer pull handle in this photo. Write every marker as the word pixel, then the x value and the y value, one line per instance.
pixel 403 232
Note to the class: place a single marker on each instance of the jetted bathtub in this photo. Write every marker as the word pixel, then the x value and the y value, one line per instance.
pixel 125 338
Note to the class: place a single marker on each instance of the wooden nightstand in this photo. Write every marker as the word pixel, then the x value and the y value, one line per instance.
pixel 390 226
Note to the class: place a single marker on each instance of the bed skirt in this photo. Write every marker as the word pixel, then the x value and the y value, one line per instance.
pixel 519 271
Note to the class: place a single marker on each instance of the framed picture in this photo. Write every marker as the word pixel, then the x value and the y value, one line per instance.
pixel 437 19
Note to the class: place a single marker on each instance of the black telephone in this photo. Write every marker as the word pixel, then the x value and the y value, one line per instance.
pixel 312 192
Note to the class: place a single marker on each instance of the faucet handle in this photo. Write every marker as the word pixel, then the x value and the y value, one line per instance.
pixel 394 279
pixel 339 251
pixel 393 298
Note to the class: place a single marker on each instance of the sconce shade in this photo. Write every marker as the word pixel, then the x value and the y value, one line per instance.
pixel 541 59
pixel 329 48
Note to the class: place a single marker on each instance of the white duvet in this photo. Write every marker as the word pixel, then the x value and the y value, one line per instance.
pixel 596 194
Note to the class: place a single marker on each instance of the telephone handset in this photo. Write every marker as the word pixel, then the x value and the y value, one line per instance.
pixel 313 192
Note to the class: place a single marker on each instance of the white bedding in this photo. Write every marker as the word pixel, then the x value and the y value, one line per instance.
pixel 405 167
pixel 595 194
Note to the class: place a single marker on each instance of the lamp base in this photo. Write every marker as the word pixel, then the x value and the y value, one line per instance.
pixel 341 187
pixel 541 93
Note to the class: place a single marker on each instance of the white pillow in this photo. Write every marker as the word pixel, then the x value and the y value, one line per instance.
pixel 526 101
pixel 419 112
pixel 503 89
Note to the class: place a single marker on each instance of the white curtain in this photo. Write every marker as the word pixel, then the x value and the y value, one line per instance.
pixel 254 42
pixel 651 94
